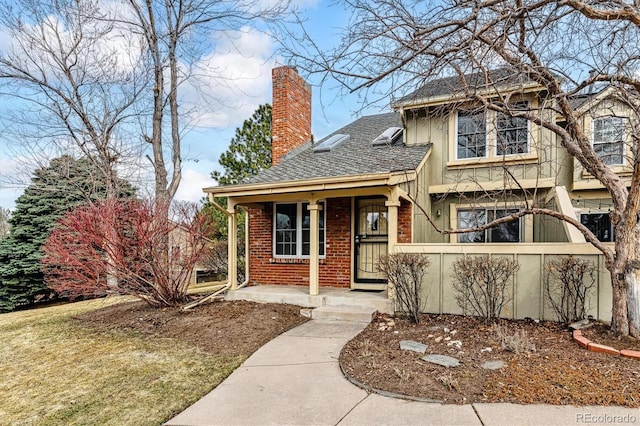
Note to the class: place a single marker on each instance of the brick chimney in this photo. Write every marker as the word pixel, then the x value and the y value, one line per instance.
pixel 291 112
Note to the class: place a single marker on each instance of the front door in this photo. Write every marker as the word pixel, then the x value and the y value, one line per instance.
pixel 371 240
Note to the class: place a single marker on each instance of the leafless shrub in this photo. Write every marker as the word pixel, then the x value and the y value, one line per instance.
pixel 518 342
pixel 567 281
pixel 405 273
pixel 366 348
pixel 482 284
pixel 215 259
pixel 143 248
pixel 449 381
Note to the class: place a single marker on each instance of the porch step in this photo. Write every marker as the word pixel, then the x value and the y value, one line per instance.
pixel 344 313
pixel 299 295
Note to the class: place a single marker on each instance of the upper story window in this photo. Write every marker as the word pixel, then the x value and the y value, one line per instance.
pixel 291 228
pixel 512 133
pixel 510 232
pixel 508 135
pixel 608 139
pixel 600 224
pixel 472 135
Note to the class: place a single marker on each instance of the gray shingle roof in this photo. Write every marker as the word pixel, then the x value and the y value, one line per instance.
pixel 501 77
pixel 353 157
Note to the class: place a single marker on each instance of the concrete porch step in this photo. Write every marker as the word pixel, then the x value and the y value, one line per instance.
pixel 344 313
pixel 299 295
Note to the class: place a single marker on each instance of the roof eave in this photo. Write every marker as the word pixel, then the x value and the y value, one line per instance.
pixel 341 182
pixel 450 98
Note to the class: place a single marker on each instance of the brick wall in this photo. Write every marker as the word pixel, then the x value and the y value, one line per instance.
pixel 404 222
pixel 291 112
pixel 335 270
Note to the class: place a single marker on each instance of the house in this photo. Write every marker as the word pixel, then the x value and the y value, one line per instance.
pixel 325 211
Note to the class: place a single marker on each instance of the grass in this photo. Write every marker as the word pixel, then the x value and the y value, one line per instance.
pixel 53 371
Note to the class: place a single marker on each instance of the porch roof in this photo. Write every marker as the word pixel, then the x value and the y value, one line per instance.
pixel 355 162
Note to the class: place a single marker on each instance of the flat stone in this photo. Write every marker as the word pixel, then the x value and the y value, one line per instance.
pixel 411 345
pixel 579 324
pixel 444 360
pixel 493 365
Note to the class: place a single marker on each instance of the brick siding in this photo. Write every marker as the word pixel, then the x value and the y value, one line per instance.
pixel 405 212
pixel 335 269
pixel 291 112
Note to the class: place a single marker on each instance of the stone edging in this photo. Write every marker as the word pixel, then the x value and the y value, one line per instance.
pixel 595 347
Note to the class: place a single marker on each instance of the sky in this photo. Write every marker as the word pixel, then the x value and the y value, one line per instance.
pixel 247 57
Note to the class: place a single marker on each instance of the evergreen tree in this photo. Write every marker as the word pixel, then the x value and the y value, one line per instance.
pixel 249 152
pixel 64 184
pixel 250 149
pixel 5 214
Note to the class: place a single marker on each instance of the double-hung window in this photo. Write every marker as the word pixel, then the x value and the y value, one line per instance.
pixel 608 139
pixel 512 133
pixel 509 232
pixel 600 224
pixel 471 134
pixel 291 229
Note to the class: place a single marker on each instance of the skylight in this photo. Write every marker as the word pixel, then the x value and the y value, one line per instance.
pixel 388 136
pixel 331 143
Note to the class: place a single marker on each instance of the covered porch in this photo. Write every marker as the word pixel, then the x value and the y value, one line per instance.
pixel 310 237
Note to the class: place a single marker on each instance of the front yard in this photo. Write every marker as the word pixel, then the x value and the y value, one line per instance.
pixel 538 363
pixel 126 364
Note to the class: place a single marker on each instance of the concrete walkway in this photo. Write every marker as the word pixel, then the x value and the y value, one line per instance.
pixel 295 380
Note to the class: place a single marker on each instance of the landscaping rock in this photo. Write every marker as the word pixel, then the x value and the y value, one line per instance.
pixel 444 360
pixel 456 343
pixel 579 324
pixel 493 365
pixel 411 345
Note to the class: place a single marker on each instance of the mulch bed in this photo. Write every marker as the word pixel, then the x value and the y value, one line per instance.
pixel 557 371
pixel 221 328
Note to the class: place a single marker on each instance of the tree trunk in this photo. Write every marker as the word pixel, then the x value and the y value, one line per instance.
pixel 632 279
pixel 625 283
pixel 619 318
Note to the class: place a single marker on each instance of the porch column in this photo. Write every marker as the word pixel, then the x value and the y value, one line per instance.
pixel 392 223
pixel 314 249
pixel 232 250
pixel 392 227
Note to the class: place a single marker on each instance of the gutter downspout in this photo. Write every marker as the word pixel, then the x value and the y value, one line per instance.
pixel 246 238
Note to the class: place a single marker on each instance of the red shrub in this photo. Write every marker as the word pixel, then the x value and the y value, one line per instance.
pixel 142 248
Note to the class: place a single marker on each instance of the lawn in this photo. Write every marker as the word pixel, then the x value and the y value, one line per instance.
pixel 58 369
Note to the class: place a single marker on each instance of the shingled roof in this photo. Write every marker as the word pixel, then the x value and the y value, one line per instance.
pixel 356 156
pixel 499 78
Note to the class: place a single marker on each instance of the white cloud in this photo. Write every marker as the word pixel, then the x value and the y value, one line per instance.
pixel 233 79
pixel 191 185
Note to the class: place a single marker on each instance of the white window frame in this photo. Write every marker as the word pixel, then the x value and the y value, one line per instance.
pixel 496 140
pixel 486 133
pixel 298 229
pixel 621 141
pixel 487 232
